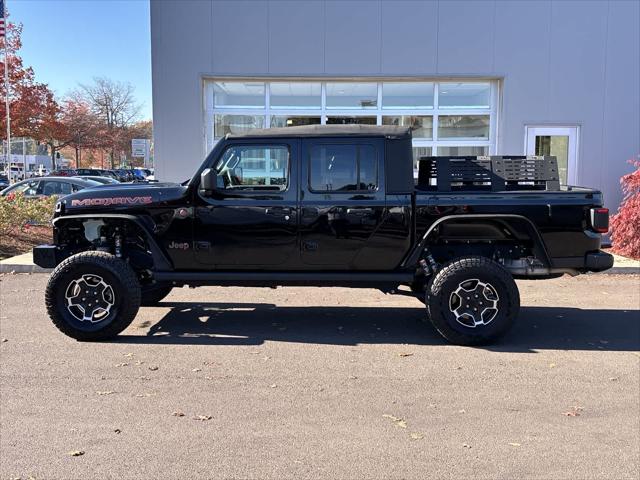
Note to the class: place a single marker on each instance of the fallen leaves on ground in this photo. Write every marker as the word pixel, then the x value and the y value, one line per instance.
pixel 203 418
pixel 515 444
pixel 123 364
pixel 405 354
pixel 76 453
pixel 106 392
pixel 466 445
pixel 574 412
pixel 117 430
pixel 397 421
pixel 178 413
pixel 153 368
pixel 196 370
pixel 417 436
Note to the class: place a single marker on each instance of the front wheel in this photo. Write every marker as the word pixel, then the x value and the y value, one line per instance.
pixel 92 296
pixel 472 301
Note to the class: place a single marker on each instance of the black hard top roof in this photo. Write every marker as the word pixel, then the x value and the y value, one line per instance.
pixel 387 131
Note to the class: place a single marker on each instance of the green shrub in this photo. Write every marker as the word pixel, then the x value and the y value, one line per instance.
pixel 18 212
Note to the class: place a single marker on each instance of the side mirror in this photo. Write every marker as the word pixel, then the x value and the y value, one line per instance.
pixel 209 181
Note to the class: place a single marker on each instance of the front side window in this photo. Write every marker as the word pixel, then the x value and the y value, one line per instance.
pixel 254 167
pixel 343 168
pixel 27 188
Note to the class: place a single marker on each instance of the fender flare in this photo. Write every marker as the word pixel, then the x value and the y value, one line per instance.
pixel 538 243
pixel 160 259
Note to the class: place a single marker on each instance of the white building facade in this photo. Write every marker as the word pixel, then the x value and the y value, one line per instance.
pixel 472 77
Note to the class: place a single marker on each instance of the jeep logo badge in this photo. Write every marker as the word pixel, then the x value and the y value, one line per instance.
pixel 178 246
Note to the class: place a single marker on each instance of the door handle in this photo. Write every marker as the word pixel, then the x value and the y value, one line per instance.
pixel 360 211
pixel 277 211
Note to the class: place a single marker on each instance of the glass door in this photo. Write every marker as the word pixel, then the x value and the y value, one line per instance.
pixel 562 143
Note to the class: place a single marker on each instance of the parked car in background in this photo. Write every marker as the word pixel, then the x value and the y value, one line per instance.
pixel 15 173
pixel 108 174
pixel 101 180
pixel 41 171
pixel 145 173
pixel 4 181
pixel 64 172
pixel 48 186
pixel 122 175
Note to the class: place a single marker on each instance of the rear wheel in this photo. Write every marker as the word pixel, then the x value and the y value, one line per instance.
pixel 472 301
pixel 92 296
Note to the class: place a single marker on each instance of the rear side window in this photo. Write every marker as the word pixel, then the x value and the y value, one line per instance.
pixel 343 168
pixel 52 187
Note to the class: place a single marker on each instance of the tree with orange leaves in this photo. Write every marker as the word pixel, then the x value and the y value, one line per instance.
pixel 31 103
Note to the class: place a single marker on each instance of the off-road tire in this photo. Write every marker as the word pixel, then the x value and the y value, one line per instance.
pixel 116 273
pixel 447 280
pixel 151 295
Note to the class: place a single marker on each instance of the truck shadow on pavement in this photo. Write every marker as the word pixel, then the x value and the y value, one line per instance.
pixel 254 323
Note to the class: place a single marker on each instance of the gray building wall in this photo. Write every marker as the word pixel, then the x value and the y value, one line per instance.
pixel 559 61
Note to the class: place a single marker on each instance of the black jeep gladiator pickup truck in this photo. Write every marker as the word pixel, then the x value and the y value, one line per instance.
pixel 325 206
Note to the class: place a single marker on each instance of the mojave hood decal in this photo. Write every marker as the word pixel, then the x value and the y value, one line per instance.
pixel 106 201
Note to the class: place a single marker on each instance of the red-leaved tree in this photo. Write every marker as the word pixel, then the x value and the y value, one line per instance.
pixel 28 99
pixel 625 225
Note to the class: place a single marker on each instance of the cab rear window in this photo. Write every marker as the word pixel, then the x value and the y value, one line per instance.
pixel 343 168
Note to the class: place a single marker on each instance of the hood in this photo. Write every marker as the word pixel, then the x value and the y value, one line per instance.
pixel 120 197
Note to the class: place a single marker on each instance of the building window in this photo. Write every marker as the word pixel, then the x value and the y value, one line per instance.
pixel 352 95
pixel 463 151
pixel 407 95
pixel 352 120
pixel 278 121
pixel 464 126
pixel 447 118
pixel 421 126
pixel 224 124
pixel 465 95
pixel 295 95
pixel 238 94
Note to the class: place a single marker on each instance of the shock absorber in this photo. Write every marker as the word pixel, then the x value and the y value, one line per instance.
pixel 117 243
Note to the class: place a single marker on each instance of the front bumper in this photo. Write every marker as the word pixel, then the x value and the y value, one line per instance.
pixel 46 256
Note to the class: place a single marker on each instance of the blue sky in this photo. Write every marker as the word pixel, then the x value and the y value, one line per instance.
pixel 71 41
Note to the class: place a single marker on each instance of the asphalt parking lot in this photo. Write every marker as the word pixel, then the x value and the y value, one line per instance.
pixel 324 383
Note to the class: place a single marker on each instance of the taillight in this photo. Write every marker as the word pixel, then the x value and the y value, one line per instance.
pixel 600 220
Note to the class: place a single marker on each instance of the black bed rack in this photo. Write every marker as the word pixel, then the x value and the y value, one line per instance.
pixel 490 173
